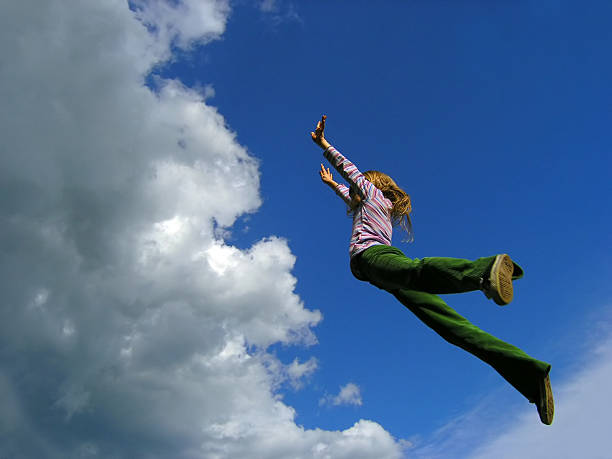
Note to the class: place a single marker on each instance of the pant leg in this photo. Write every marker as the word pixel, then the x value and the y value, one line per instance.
pixel 515 366
pixel 388 268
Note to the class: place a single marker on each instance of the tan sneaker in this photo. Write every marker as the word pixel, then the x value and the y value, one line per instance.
pixel 545 402
pixel 498 285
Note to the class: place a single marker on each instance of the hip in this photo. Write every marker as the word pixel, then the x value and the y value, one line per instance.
pixel 367 254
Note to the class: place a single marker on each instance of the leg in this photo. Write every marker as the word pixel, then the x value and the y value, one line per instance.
pixel 388 268
pixel 523 372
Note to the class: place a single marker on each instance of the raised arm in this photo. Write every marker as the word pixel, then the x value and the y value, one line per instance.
pixel 346 168
pixel 348 171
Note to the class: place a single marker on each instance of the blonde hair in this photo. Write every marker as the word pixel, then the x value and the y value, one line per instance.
pixel 402 206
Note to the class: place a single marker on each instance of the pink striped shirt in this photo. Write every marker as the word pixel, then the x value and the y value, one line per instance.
pixel 371 221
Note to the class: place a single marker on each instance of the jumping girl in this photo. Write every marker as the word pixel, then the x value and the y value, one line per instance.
pixel 378 204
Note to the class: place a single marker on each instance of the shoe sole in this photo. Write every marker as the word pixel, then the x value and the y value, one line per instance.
pixel 546 404
pixel 500 280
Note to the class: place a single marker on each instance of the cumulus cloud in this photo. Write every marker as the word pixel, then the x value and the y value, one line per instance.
pixel 129 327
pixel 183 23
pixel 350 394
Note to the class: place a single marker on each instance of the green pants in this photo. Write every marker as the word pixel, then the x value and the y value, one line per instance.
pixel 415 282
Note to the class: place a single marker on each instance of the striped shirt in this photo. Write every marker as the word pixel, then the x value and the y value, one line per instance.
pixel 371 220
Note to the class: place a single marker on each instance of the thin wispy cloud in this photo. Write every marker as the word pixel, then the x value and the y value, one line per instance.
pixel 280 11
pixel 501 426
pixel 268 6
pixel 583 404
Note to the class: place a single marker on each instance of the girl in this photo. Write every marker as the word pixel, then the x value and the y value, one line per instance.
pixel 377 204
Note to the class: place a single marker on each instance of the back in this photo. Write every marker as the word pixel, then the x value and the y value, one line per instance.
pixel 371 221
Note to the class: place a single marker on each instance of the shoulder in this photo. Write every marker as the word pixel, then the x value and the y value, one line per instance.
pixel 376 197
pixel 375 192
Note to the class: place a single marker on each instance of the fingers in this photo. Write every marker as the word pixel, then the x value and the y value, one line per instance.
pixel 321 124
pixel 325 174
pixel 317 135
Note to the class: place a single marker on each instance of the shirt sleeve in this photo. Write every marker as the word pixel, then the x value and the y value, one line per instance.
pixel 348 171
pixel 343 192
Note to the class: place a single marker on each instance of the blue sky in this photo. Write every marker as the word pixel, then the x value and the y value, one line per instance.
pixel 165 117
pixel 494 119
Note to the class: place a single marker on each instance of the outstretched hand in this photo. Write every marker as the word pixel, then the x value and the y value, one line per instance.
pixel 326 177
pixel 318 136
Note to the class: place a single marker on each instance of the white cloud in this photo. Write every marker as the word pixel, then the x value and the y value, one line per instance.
pixel 184 22
pixel 128 327
pixel 349 394
pixel 297 371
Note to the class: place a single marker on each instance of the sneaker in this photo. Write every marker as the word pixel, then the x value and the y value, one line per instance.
pixel 545 403
pixel 498 285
